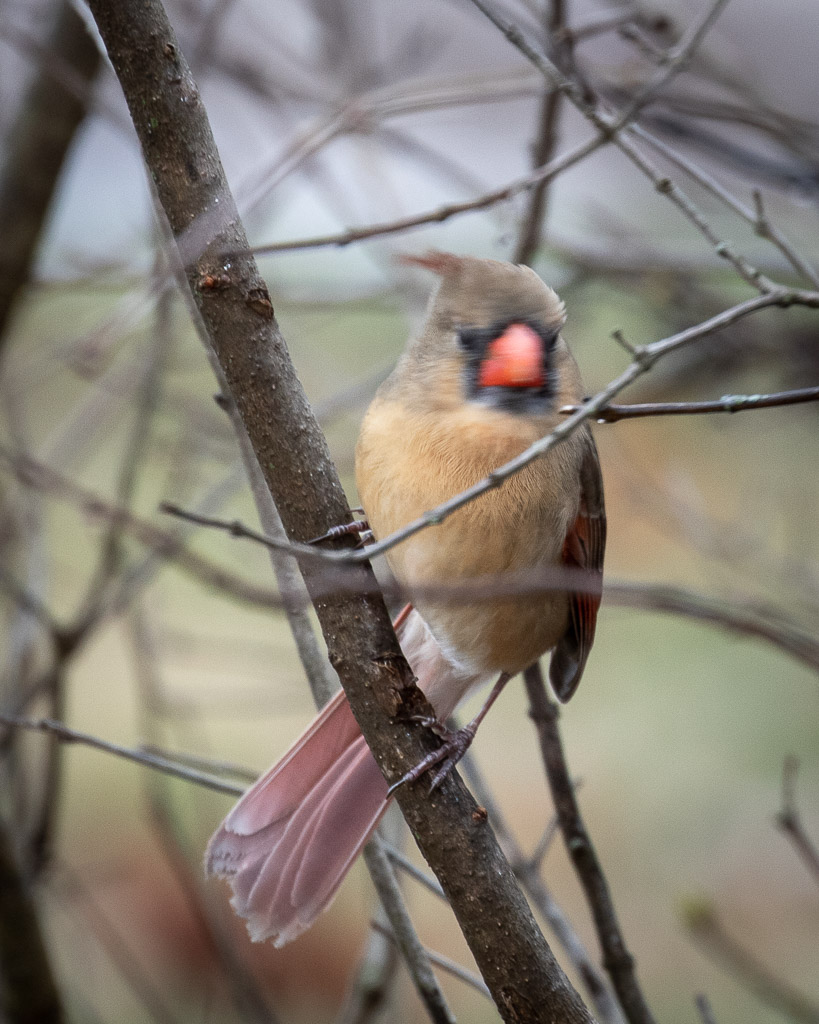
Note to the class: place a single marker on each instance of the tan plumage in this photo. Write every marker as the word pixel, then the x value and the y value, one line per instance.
pixel 485 379
pixel 422 442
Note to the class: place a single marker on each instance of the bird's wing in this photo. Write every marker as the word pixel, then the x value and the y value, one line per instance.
pixel 583 548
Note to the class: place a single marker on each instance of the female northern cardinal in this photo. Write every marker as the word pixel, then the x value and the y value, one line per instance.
pixel 485 379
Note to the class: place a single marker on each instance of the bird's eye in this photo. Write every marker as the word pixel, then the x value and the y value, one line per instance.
pixel 550 339
pixel 470 338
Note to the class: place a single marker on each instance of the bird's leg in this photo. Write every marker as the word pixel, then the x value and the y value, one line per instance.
pixel 454 745
pixel 357 526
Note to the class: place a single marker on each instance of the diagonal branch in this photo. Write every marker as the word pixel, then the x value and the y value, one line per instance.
pixel 517 964
pixel 705 926
pixel 789 820
pixel 440 214
pixel 617 959
pixel 615 129
pixel 148 760
pixel 37 145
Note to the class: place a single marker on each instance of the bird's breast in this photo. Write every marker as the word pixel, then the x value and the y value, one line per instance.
pixel 463 572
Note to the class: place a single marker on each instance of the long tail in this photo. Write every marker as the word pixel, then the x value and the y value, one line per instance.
pixel 290 840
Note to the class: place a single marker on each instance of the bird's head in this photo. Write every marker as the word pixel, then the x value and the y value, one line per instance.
pixel 492 336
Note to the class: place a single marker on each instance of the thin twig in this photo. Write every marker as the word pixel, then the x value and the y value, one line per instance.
pixel 67 735
pixel 616 130
pixel 401 930
pixel 706 928
pixel 790 821
pixel 674 61
pixel 756 217
pixel 601 25
pixel 374 980
pixel 617 959
pixel 773 627
pixel 36 145
pixel 468 977
pixel 30 603
pixel 441 213
pixel 209 765
pixel 704 1009
pixel 728 403
pixel 399 858
pixel 748 621
pixel 535 213
pixel 527 870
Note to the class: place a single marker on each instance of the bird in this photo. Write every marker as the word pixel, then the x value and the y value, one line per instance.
pixel 486 377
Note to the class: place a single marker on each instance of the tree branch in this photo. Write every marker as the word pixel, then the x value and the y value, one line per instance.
pixel 404 935
pixel 441 213
pixel 728 403
pixel 28 992
pixel 707 929
pixel 617 959
pixel 790 820
pixel 148 760
pixel 517 964
pixel 48 117
pixel 535 213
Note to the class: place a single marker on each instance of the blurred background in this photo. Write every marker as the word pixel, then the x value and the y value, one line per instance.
pixel 347 114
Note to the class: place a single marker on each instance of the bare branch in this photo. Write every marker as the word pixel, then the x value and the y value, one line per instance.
pixel 439 215
pixel 728 403
pixel 763 227
pixel 445 964
pixel 605 23
pixel 528 871
pixel 774 628
pixel 704 1009
pixel 48 118
pixel 617 959
pixel 373 982
pixel 516 962
pixel 208 765
pixel 28 991
pixel 535 214
pixel 749 621
pixel 704 925
pixel 615 129
pixel 790 821
pixel 63 733
pixel 672 62
pixel 409 868
pixel 405 936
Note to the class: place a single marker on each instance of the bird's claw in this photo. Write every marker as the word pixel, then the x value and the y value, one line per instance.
pixel 358 527
pixel 453 747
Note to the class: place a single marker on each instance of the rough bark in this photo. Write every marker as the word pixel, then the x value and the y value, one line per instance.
pixel 514 958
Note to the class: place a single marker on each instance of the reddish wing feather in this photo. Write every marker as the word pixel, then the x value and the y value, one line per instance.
pixel 583 548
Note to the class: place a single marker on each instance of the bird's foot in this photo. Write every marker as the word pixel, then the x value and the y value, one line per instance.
pixel 453 747
pixel 358 526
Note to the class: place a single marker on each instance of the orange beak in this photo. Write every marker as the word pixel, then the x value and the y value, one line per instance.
pixel 513 360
